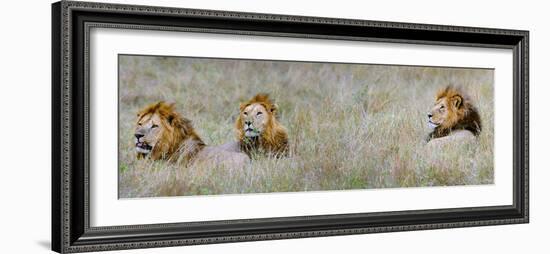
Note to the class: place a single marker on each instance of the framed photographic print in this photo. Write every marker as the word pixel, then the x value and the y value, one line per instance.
pixel 181 126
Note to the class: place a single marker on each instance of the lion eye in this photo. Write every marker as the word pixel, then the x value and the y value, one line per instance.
pixel 139 124
pixel 154 126
pixel 259 113
pixel 442 107
pixel 245 113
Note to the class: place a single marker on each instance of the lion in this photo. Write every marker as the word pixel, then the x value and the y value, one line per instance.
pixel 163 134
pixel 453 117
pixel 258 130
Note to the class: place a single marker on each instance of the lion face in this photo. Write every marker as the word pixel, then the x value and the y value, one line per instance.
pixel 258 128
pixel 452 112
pixel 443 112
pixel 254 120
pixel 148 130
pixel 160 132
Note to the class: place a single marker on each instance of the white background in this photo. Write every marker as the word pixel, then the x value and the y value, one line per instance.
pixel 107 210
pixel 25 125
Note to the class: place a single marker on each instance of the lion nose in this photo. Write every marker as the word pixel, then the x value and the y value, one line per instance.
pixel 138 136
pixel 430 115
pixel 248 122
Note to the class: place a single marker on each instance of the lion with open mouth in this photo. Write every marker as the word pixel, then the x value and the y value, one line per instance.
pixel 163 134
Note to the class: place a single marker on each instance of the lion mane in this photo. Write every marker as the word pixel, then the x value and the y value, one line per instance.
pixel 461 114
pixel 273 140
pixel 175 130
pixel 170 136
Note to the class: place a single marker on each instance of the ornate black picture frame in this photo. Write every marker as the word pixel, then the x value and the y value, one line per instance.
pixel 71 230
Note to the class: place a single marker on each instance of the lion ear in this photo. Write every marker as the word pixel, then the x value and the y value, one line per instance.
pixel 170 119
pixel 274 108
pixel 457 101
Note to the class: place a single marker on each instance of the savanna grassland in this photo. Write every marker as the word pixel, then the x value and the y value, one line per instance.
pixel 350 126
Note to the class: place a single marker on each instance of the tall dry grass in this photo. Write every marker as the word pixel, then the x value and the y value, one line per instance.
pixel 350 126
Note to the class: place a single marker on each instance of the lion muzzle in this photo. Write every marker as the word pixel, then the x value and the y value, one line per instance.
pixel 142 146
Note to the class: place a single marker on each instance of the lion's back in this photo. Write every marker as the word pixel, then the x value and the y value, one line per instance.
pixel 224 156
